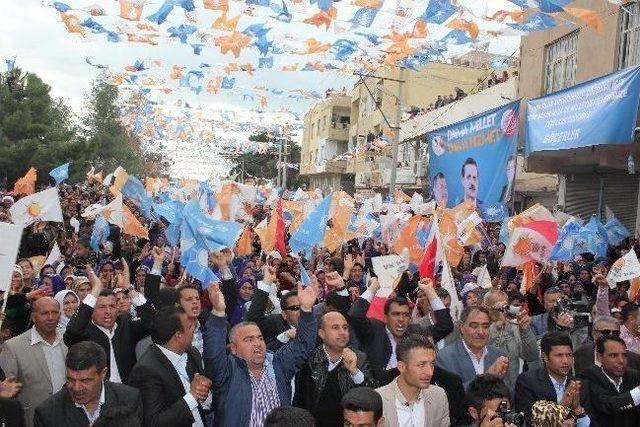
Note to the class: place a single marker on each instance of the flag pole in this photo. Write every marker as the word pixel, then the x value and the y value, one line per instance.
pixel 4 305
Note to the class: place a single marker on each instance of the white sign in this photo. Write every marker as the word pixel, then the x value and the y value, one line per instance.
pixel 388 268
pixel 9 245
pixel 625 268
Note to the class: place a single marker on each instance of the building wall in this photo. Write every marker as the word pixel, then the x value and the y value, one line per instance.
pixel 320 136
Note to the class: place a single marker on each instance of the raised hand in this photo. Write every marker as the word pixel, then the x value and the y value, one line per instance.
pixel 216 298
pixel 350 360
pixel 334 280
pixel 426 286
pixel 158 255
pixel 499 367
pixel 268 274
pixel 96 283
pixel 307 297
pixel 123 279
pixel 374 285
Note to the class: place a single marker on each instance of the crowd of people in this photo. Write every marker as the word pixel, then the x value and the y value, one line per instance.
pixel 123 336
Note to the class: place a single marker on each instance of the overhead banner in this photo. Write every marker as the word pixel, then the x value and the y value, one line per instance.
pixel 602 111
pixel 475 159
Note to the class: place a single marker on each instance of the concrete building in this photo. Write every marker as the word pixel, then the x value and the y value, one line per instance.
pixel 325 135
pixel 591 178
pixel 420 91
pixel 530 188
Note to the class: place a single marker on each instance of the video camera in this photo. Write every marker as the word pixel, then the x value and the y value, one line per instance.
pixel 579 310
pixel 511 310
pixel 510 416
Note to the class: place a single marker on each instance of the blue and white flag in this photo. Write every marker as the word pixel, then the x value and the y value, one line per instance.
pixel 60 173
pixel 196 263
pixel 304 276
pixel 564 247
pixel 214 234
pixel 99 233
pixel 134 189
pixel 311 231
pixel 495 212
pixel 593 238
pixel 616 232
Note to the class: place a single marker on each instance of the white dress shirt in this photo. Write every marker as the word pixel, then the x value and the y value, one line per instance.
pixel 179 363
pixel 635 392
pixel 95 415
pixel 114 373
pixel 54 355
pixel 478 364
pixel 410 414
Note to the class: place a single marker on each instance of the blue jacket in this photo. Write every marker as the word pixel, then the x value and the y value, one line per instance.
pixel 454 358
pixel 230 376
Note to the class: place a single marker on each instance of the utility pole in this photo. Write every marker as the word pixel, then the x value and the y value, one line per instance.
pixel 278 181
pixel 285 164
pixel 396 139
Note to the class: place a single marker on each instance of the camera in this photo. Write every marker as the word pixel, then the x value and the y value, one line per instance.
pixel 579 310
pixel 509 416
pixel 510 310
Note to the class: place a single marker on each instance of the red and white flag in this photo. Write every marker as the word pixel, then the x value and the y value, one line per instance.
pixel 532 241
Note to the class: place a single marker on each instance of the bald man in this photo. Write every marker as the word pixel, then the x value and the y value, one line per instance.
pixel 331 371
pixel 36 357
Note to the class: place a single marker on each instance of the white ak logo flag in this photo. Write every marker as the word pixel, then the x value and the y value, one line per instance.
pixel 625 268
pixel 530 242
pixel 42 206
pixel 388 268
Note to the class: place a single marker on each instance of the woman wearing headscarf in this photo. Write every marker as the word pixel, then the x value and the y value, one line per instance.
pixel 245 289
pixel 69 303
pixel 53 282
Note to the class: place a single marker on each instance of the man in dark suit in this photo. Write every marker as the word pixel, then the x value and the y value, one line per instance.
pixel 86 393
pixel 277 329
pixel 585 355
pixel 379 339
pixel 97 320
pixel 170 374
pixel 11 412
pixel 614 389
pixel 553 382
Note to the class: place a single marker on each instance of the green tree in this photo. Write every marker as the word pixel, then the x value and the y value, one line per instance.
pixel 264 165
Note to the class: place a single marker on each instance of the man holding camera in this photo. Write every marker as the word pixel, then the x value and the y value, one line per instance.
pixel 558 316
pixel 489 403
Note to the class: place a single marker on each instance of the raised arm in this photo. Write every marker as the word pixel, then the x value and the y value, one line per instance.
pixel 358 312
pixel 76 330
pixel 292 356
pixel 217 364
pixel 443 324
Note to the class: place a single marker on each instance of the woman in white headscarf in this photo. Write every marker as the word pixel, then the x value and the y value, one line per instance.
pixel 69 303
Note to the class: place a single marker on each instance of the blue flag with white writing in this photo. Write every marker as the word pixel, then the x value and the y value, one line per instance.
pixel 564 249
pixel 616 232
pixel 213 233
pixel 99 233
pixel 311 231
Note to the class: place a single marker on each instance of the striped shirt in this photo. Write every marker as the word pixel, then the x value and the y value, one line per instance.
pixel 264 397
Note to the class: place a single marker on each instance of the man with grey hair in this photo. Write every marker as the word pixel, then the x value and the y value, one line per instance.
pixel 511 332
pixel 584 356
pixel 36 357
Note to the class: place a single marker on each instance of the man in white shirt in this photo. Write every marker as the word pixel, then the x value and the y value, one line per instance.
pixel 170 374
pixel 411 400
pixel 36 357
pixel 97 320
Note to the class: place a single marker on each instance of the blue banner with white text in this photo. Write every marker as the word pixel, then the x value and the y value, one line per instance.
pixel 601 111
pixel 475 159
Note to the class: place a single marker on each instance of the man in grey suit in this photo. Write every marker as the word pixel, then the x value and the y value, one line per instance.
pixel 411 399
pixel 472 356
pixel 36 357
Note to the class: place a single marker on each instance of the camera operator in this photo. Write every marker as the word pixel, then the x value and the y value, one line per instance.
pixel 511 332
pixel 562 314
pixel 489 403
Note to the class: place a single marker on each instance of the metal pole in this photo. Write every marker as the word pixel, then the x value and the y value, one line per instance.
pixel 600 197
pixel 396 138
pixel 279 163
pixel 284 165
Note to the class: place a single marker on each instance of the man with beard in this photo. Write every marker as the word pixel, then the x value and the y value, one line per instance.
pixel 330 372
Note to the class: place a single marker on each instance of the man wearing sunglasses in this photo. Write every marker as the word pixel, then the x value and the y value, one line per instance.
pixel 584 356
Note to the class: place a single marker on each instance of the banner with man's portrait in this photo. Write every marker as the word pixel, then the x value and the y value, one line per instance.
pixel 475 159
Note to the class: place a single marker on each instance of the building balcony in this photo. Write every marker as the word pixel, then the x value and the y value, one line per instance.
pixel 339 132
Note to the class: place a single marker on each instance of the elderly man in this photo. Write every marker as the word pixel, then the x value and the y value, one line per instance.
pixel 472 355
pixel 36 358
pixel 250 382
pixel 511 332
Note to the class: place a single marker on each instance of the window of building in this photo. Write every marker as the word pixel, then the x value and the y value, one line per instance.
pixel 629 35
pixel 561 62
